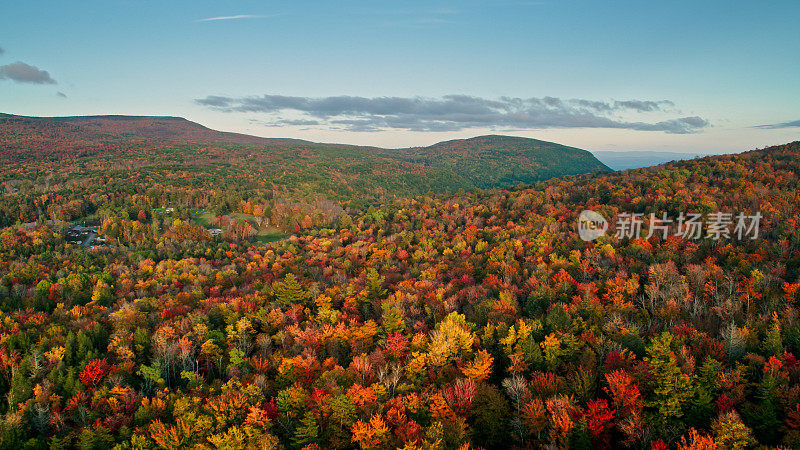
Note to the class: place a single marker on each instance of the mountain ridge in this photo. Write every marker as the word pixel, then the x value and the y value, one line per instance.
pixel 148 126
pixel 171 154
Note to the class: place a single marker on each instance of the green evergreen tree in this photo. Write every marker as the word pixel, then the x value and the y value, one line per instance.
pixel 42 296
pixel 308 431
pixel 673 388
pixel 141 344
pixel 70 349
pixel 374 286
pixel 557 320
pixel 393 320
pixel 701 408
pixel 289 291
pixel 763 416
pixel 579 438
pixel 343 415
pixel 85 350
pixel 21 388
pixel 60 442
pixel 345 221
pixel 95 438
pixel 773 343
pixel 489 414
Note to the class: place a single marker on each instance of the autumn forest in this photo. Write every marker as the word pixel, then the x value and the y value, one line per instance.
pixel 163 285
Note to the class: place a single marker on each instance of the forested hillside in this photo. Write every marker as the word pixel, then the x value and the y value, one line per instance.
pixel 115 166
pixel 460 320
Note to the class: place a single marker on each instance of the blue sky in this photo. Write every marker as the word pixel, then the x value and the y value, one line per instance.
pixel 695 76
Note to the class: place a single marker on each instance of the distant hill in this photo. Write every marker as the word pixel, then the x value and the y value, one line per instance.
pixel 486 161
pixel 164 153
pixel 94 130
pixel 491 161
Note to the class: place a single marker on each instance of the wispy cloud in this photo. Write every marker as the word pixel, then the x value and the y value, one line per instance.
pixel 24 73
pixel 61 94
pixel 456 112
pixel 793 124
pixel 236 17
pixel 2 51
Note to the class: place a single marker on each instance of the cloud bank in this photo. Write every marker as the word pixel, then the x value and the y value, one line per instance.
pixel 24 73
pixel 773 126
pixel 456 112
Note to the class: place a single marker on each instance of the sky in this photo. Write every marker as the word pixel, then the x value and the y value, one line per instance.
pixel 682 76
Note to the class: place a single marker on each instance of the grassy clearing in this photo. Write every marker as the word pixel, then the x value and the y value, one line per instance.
pixel 204 219
pixel 263 235
pixel 266 236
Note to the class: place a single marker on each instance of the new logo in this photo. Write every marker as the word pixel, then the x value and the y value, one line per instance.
pixel 591 225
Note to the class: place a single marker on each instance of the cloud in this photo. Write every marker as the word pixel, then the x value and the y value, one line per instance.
pixel 455 112
pixel 773 126
pixel 643 106
pixel 236 17
pixel 61 94
pixel 295 122
pixel 24 73
pixel 302 122
pixel 2 51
